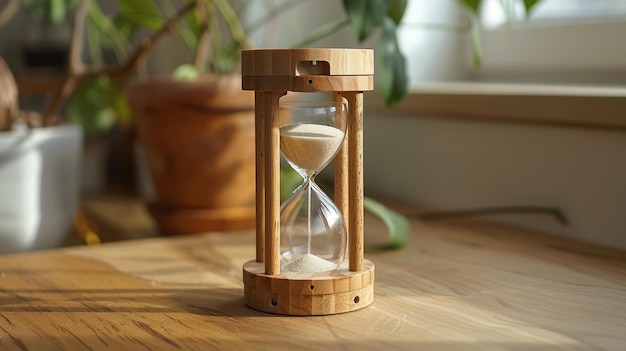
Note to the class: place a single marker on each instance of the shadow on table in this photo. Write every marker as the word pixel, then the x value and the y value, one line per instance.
pixel 201 301
pixel 202 318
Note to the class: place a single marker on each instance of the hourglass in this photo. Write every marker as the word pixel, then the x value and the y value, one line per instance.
pixel 301 247
pixel 313 234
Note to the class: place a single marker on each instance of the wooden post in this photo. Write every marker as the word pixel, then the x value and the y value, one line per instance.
pixel 259 140
pixel 355 166
pixel 272 181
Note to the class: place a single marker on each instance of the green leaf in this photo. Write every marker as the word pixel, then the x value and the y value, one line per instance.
pixel 476 43
pixel 140 13
pixel 95 45
pixel 226 59
pixel 233 22
pixel 185 71
pixel 189 30
pixel 126 28
pixel 397 224
pixel 110 36
pixel 192 19
pixel 473 5
pixel 396 10
pixel 90 107
pixel 529 5
pixel 289 181
pixel 58 11
pixel 119 103
pixel 365 15
pixel 392 74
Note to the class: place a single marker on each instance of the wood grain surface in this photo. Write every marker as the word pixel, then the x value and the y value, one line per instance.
pixel 294 62
pixel 306 70
pixel 459 285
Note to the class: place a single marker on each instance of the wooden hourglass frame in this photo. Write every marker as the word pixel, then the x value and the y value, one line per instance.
pixel 271 74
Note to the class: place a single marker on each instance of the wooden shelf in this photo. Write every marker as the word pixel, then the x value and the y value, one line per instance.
pixel 574 106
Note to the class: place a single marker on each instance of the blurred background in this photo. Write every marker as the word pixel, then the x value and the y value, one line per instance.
pixel 505 109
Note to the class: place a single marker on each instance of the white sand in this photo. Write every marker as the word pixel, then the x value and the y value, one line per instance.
pixel 310 146
pixel 309 264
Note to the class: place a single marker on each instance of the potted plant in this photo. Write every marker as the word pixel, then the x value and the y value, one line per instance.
pixel 196 133
pixel 204 19
pixel 39 172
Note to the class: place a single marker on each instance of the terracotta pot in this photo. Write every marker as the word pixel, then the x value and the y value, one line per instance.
pixel 198 139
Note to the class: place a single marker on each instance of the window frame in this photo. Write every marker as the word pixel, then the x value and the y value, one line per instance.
pixel 552 105
pixel 569 73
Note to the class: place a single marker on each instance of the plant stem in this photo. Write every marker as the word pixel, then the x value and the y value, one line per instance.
pixel 183 30
pixel 202 48
pixel 507 9
pixel 322 32
pixel 79 72
pixel 121 47
pixel 75 63
pixel 236 29
pixel 147 45
pixel 271 14
pixel 476 43
pixel 8 11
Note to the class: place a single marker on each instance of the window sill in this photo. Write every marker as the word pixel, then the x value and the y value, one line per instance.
pixel 576 106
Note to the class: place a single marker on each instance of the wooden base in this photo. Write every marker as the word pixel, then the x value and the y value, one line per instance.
pixel 308 294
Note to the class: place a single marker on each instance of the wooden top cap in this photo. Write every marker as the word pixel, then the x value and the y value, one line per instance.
pixel 308 69
pixel 300 62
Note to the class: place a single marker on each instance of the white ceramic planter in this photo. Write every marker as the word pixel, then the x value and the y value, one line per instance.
pixel 39 186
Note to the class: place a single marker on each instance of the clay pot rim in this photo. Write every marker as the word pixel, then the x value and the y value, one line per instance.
pixel 219 80
pixel 222 91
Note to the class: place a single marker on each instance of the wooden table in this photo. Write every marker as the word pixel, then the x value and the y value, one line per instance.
pixel 457 285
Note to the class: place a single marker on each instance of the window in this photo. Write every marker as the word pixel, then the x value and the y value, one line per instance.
pixel 562 42
pixel 553 11
pixel 558 67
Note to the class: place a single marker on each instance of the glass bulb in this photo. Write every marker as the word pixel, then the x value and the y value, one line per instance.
pixel 313 232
